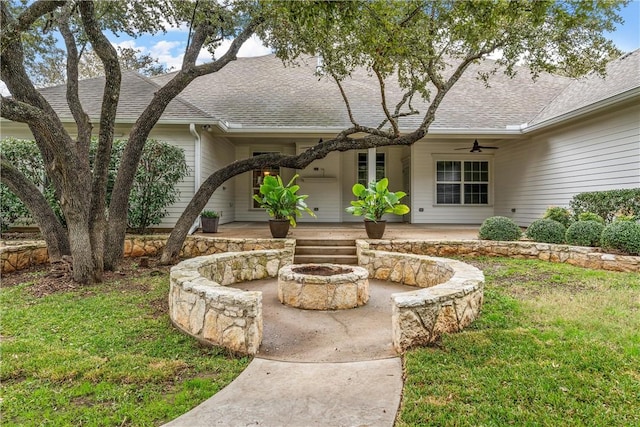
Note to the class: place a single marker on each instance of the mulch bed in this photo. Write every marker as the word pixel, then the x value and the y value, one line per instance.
pixel 49 279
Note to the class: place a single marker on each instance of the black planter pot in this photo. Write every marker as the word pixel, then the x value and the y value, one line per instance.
pixel 209 225
pixel 375 230
pixel 279 228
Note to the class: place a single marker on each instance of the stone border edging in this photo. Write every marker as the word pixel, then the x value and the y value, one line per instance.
pixel 450 297
pixel 202 306
pixel 580 256
pixel 23 255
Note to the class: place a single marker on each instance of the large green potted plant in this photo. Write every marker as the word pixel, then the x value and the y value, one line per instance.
pixel 373 202
pixel 281 203
pixel 209 221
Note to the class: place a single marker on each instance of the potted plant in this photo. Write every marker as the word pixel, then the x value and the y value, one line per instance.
pixel 375 201
pixel 281 203
pixel 209 221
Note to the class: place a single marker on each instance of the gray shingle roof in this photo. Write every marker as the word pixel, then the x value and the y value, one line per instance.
pixel 623 74
pixel 260 92
pixel 136 93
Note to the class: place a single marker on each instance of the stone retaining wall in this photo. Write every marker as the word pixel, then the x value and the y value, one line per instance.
pixel 202 306
pixel 21 255
pixel 575 255
pixel 450 300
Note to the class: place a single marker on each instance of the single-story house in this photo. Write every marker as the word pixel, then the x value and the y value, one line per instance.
pixel 556 137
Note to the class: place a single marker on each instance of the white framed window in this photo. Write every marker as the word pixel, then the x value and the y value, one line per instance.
pixel 257 175
pixel 362 167
pixel 462 182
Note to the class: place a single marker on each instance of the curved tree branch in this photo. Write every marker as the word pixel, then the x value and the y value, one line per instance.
pixel 50 227
pixel 148 119
pixel 340 143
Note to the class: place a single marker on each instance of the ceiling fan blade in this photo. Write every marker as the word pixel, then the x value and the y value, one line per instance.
pixel 489 148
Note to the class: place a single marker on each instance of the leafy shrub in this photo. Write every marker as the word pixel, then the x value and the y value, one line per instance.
pixel 623 236
pixel 584 233
pixel 590 216
pixel 546 231
pixel 499 228
pixel 161 167
pixel 608 203
pixel 624 218
pixel 25 156
pixel 556 213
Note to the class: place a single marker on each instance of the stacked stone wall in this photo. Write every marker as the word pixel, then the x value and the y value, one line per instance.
pixel 450 297
pixel 201 305
pixel 22 255
pixel 575 255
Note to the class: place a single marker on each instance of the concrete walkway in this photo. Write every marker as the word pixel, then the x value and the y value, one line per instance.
pixel 318 368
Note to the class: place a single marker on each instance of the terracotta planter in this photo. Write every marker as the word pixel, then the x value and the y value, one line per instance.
pixel 375 230
pixel 279 228
pixel 209 225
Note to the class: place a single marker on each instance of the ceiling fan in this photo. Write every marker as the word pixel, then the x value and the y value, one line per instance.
pixel 477 148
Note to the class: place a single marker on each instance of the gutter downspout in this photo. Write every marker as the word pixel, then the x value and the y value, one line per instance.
pixel 196 167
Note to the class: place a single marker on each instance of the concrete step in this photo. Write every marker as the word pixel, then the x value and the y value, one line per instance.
pixel 326 259
pixel 327 242
pixel 325 250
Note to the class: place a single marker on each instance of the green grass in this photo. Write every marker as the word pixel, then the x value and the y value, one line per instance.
pixel 104 355
pixel 555 345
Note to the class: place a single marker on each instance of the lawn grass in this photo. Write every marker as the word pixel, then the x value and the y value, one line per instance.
pixel 555 345
pixel 103 355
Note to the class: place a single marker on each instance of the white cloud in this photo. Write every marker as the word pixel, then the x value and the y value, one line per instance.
pixel 130 44
pixel 252 47
pixel 4 91
pixel 168 53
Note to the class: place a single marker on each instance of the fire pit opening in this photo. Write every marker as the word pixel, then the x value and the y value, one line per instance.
pixel 323 286
pixel 321 270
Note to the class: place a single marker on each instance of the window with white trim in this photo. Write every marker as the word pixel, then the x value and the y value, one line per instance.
pixel 362 167
pixel 462 182
pixel 257 176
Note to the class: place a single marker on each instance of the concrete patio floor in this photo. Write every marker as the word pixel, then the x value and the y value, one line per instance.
pixel 349 230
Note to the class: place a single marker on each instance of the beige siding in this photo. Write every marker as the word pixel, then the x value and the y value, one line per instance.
pixel 179 136
pixel 217 153
pixel 424 155
pixel 548 170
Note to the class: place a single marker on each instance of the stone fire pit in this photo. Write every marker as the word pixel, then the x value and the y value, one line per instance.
pixel 323 286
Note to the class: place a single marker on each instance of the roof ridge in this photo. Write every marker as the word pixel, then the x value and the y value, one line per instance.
pixel 177 98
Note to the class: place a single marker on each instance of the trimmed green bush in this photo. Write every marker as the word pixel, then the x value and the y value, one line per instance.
pixel 590 216
pixel 623 236
pixel 499 228
pixel 556 213
pixel 161 167
pixel 584 233
pixel 546 231
pixel 608 204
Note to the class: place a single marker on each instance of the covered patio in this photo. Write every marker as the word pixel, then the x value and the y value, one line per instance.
pixel 350 230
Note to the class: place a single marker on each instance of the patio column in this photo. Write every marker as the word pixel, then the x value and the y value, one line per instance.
pixel 371 164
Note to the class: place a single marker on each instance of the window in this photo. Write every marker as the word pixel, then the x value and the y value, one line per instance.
pixel 256 179
pixel 362 168
pixel 462 182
